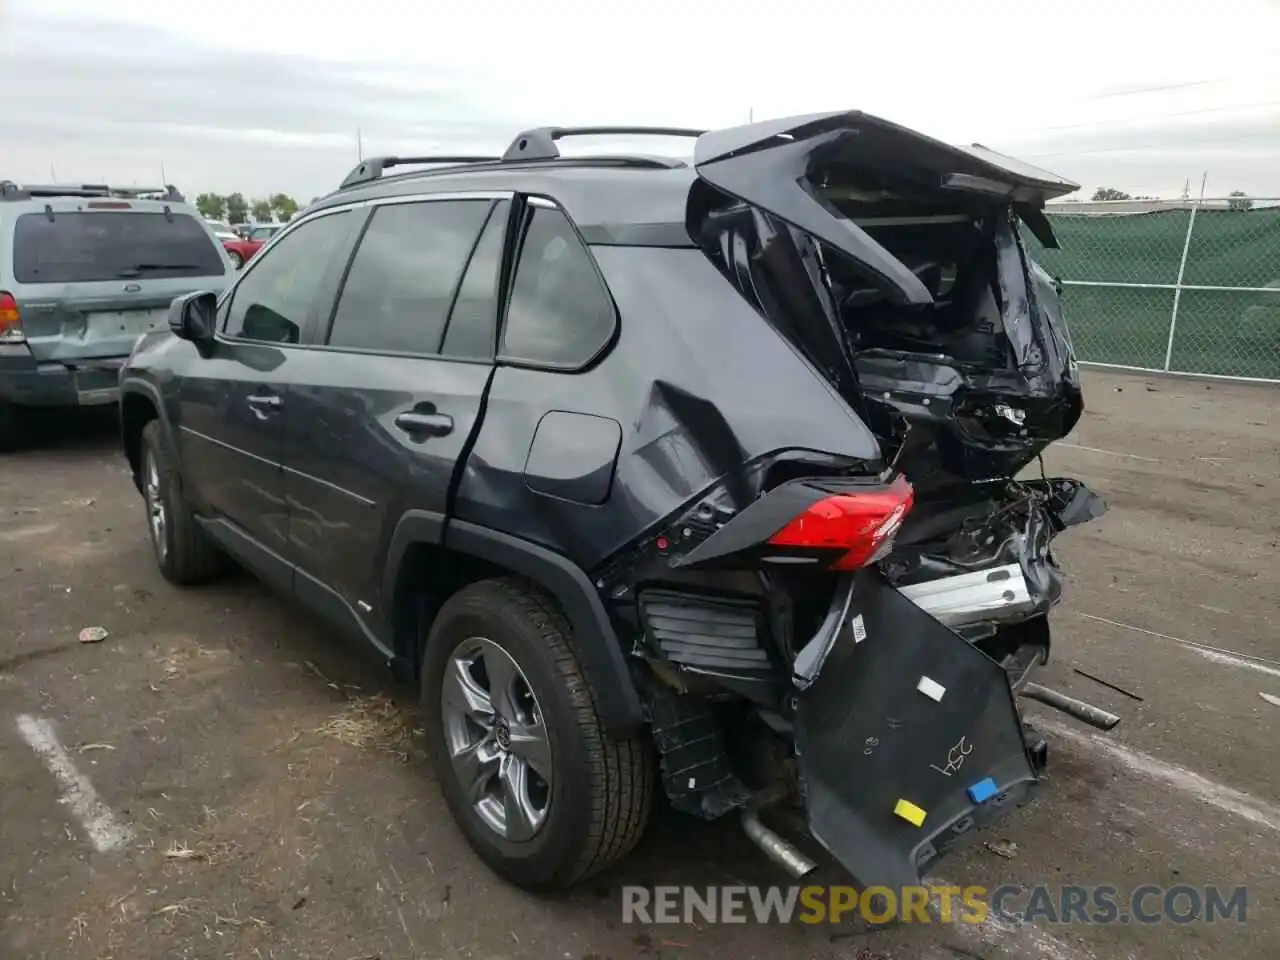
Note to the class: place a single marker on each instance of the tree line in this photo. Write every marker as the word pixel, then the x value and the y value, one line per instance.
pixel 234 208
pixel 1239 200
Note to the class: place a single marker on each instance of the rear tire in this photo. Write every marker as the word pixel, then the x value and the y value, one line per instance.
pixel 599 790
pixel 183 552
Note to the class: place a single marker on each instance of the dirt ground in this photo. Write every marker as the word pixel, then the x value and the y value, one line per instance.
pixel 219 777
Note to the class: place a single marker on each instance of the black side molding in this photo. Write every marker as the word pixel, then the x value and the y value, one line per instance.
pixel 271 568
pixel 596 643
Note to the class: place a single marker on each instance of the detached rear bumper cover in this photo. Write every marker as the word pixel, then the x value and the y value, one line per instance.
pixel 908 739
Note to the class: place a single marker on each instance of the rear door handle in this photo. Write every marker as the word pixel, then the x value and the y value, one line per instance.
pixel 265 403
pixel 425 424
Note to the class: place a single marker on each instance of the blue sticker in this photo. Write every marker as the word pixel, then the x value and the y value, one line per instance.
pixel 982 791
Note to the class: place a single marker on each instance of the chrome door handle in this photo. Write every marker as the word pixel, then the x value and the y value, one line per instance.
pixel 430 424
pixel 264 403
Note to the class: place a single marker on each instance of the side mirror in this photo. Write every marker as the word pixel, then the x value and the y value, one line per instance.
pixel 193 316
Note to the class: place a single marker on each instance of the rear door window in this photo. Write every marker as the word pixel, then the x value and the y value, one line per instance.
pixel 84 247
pixel 560 314
pixel 404 276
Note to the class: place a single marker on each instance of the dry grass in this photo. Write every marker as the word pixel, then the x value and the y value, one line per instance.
pixel 203 851
pixel 372 721
pixel 170 917
pixel 190 659
pixel 180 909
pixel 77 927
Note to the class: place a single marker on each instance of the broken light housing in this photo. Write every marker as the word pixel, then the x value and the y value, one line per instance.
pixel 861 524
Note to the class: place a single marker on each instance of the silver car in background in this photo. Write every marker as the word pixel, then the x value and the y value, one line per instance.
pixel 84 271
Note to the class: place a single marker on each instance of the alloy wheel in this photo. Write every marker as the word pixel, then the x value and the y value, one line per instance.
pixel 497 740
pixel 156 515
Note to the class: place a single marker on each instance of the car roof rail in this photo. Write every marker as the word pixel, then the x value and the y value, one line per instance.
pixel 532 145
pixel 26 191
pixel 540 142
pixel 369 170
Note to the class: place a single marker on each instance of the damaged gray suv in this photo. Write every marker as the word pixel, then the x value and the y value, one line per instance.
pixel 653 475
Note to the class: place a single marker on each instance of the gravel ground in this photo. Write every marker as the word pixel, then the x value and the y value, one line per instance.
pixel 220 777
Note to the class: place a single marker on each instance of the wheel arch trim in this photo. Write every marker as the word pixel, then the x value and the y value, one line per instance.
pixel 596 640
pixel 135 387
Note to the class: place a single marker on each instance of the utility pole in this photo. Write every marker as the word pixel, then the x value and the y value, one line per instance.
pixel 359 147
pixel 164 177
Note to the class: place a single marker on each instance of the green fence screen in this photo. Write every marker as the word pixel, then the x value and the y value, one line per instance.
pixel 1120 276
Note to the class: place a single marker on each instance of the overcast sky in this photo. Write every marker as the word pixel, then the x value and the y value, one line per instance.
pixel 266 96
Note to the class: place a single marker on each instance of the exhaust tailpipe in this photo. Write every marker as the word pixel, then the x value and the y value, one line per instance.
pixel 1086 712
pixel 780 851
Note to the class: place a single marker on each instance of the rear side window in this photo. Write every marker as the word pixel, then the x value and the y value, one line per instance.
pixel 276 298
pixel 473 324
pixel 83 247
pixel 397 295
pixel 560 313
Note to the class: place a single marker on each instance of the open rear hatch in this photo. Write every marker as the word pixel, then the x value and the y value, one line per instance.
pixel 785 167
pixel 894 262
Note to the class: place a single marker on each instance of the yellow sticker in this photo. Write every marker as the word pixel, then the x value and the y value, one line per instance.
pixel 909 812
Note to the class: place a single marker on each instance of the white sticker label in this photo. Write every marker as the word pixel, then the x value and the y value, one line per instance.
pixel 931 688
pixel 859 629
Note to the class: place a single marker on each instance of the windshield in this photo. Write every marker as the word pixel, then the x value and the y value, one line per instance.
pixel 81 247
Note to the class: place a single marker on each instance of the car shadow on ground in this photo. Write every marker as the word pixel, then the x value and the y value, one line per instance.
pixel 89 432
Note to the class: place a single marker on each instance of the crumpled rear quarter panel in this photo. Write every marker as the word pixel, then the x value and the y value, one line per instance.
pixel 699 382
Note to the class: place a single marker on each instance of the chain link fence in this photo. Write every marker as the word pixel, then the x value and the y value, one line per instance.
pixel 1184 286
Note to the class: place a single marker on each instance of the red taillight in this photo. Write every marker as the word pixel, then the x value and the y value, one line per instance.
pixel 10 319
pixel 861 524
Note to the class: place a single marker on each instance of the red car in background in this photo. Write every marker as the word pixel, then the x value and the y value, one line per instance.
pixel 241 249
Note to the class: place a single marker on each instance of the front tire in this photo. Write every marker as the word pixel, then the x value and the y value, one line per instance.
pixel 183 552
pixel 540 790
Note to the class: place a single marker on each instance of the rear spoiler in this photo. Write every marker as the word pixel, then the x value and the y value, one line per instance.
pixel 868 141
pixel 781 166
